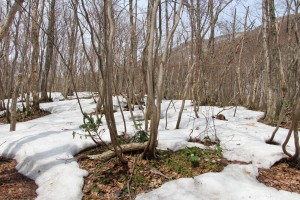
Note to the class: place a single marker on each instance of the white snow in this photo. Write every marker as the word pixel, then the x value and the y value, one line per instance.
pixel 44 150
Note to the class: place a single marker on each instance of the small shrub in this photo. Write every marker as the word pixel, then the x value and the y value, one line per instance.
pixel 90 124
pixel 194 160
pixel 218 149
pixel 140 136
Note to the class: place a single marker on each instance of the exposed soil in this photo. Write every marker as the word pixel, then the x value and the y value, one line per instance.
pixel 23 117
pixel 283 175
pixel 14 185
pixel 109 180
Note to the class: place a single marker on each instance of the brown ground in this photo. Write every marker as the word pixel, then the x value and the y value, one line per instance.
pixel 14 185
pixel 109 180
pixel 22 117
pixel 282 176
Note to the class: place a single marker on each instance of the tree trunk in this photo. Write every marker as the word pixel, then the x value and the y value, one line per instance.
pixel 108 103
pixel 238 67
pixel 10 17
pixel 49 51
pixel 35 56
pixel 155 117
pixel 15 93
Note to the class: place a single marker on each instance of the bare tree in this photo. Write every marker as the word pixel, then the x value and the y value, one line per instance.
pixel 294 129
pixel 10 17
pixel 238 67
pixel 49 51
pixel 72 33
pixel 35 30
pixel 108 74
pixel 15 93
pixel 149 151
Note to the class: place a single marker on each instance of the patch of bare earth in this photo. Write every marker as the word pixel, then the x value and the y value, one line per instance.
pixel 14 185
pixel 109 179
pixel 282 176
pixel 23 117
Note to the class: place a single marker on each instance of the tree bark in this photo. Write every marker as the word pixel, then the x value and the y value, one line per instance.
pixel 108 103
pixel 15 93
pixel 149 151
pixel 10 17
pixel 35 56
pixel 238 67
pixel 49 51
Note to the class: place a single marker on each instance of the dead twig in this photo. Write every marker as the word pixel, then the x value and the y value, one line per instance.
pixel 2 143
pixel 128 182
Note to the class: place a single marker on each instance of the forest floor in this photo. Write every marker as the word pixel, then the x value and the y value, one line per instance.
pixel 24 117
pixel 13 185
pixel 109 180
pixel 233 169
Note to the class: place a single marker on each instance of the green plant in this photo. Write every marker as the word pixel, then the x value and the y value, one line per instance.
pixel 28 113
pixel 194 160
pixel 218 149
pixel 140 136
pixel 90 124
pixel 207 139
pixel 137 179
pixel 191 151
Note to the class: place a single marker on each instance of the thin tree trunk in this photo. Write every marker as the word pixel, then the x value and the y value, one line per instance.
pixel 15 93
pixel 109 115
pixel 49 51
pixel 10 17
pixel 238 68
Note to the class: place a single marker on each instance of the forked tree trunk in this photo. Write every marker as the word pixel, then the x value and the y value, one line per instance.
pixel 149 151
pixel 294 129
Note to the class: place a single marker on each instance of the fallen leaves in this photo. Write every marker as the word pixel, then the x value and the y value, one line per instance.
pixel 282 176
pixel 14 185
pixel 109 180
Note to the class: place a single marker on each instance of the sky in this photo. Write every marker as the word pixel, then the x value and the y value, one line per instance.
pixel 240 5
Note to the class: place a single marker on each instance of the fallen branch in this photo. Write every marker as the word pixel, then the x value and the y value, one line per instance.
pixel 125 148
pixel 156 171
